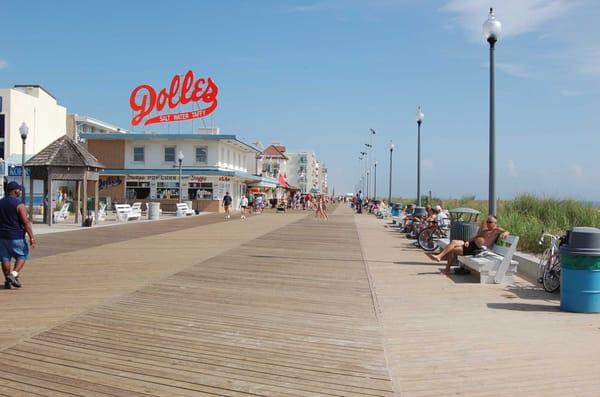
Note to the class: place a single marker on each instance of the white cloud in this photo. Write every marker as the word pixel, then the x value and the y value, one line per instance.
pixel 512 168
pixel 3 64
pixel 517 16
pixel 428 164
pixel 576 171
pixel 314 7
pixel 569 92
pixel 514 69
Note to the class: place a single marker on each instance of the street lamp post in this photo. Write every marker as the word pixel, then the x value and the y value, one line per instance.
pixel 180 158
pixel 375 181
pixel 390 191
pixel 365 178
pixel 420 117
pixel 23 130
pixel 492 28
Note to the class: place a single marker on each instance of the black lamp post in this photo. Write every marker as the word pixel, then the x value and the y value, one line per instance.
pixel 420 118
pixel 180 158
pixel 492 28
pixel 390 192
pixel 23 130
pixel 375 181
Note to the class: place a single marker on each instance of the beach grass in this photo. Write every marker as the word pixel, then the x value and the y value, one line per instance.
pixel 528 215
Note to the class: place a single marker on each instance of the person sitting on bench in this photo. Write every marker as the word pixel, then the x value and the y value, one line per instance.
pixel 485 237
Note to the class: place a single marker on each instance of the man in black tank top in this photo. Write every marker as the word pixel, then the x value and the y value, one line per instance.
pixel 14 224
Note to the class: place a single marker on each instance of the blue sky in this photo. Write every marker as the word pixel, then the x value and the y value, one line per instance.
pixel 319 74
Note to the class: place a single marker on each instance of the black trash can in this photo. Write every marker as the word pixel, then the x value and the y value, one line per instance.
pixel 463 223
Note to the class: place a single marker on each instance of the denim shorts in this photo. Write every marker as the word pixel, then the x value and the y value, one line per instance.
pixel 17 249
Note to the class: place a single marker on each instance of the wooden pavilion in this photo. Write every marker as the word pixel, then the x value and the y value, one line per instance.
pixel 65 160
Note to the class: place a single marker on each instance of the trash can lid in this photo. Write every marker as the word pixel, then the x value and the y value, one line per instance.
pixel 419 211
pixel 465 210
pixel 583 241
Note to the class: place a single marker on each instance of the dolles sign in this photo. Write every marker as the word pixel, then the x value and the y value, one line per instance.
pixel 144 100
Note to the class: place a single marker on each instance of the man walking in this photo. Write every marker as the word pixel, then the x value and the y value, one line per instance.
pixel 14 223
pixel 227 203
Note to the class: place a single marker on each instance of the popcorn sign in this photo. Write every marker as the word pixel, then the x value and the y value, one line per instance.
pixel 144 100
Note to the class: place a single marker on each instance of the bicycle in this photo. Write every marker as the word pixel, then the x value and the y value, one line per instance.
pixel 428 237
pixel 549 265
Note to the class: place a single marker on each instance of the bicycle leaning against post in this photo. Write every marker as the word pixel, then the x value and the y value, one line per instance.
pixel 549 266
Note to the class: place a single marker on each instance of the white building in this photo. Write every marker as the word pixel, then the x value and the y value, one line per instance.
pixel 145 166
pixel 39 110
pixel 303 171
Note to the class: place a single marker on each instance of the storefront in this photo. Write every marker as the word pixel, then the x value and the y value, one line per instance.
pixel 205 191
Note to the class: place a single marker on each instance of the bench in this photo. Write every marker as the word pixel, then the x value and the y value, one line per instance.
pixel 497 265
pixel 63 214
pixel 125 212
pixel 183 210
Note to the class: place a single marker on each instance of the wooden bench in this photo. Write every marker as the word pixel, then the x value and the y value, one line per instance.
pixel 125 212
pixel 183 210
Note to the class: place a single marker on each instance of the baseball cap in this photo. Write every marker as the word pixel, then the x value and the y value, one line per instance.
pixel 438 207
pixel 13 186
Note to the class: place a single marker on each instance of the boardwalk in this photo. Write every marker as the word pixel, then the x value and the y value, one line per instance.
pixel 279 305
pixel 288 313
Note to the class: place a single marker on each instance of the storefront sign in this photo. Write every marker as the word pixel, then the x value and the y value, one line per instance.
pixel 144 100
pixel 16 170
pixel 109 181
pixel 224 179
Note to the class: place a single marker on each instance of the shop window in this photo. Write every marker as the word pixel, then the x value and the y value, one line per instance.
pixel 137 190
pixel 202 154
pixel 2 126
pixel 138 154
pixel 169 154
pixel 167 190
pixel 200 190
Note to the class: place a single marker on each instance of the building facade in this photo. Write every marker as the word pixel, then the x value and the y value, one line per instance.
pixel 303 171
pixel 45 118
pixel 145 167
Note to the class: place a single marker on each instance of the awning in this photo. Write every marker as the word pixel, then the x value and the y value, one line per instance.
pixel 282 182
pixel 263 184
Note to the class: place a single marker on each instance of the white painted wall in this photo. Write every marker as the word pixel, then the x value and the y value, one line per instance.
pixel 234 158
pixel 47 121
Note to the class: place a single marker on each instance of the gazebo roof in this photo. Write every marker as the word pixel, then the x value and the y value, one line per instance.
pixel 64 152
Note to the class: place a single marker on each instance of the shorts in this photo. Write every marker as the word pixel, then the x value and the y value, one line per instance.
pixel 17 249
pixel 243 207
pixel 472 249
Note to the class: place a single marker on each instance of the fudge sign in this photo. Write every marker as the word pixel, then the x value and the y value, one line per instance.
pixel 145 101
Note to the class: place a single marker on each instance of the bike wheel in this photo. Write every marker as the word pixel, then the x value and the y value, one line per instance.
pixel 543 264
pixel 551 277
pixel 427 240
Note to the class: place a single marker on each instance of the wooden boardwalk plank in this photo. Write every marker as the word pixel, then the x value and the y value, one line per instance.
pixel 289 313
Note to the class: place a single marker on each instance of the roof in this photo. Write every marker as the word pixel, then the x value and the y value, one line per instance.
pixel 275 151
pixel 134 136
pixel 64 152
pixel 34 86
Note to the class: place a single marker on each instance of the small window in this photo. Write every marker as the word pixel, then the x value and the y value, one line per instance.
pixel 201 154
pixel 170 154
pixel 138 154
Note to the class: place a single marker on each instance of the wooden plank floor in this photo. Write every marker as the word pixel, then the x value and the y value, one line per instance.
pixel 451 336
pixel 288 314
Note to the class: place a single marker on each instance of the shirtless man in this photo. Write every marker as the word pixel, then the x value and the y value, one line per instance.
pixel 485 237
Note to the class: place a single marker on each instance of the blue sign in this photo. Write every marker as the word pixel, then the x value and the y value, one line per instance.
pixel 15 170
pixel 0 104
